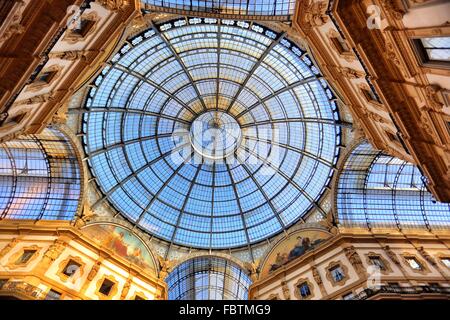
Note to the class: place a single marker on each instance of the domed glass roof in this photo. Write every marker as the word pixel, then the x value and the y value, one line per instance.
pixel 211 133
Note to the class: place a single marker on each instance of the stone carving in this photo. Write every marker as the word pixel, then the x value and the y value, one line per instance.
pixel 354 259
pixel 165 266
pixel 8 247
pixel 432 93
pixel 94 270
pixel 36 99
pixel 426 256
pixel 350 73
pixel 126 289
pixel 286 291
pixel 54 251
pixel 318 280
pixel 113 4
pixel 253 269
pixel 69 55
pixel 314 13
pixel 391 7
pixel 391 255
pixel 12 26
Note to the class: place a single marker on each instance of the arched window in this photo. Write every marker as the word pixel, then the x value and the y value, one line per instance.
pixel 208 278
pixel 267 8
pixel 377 190
pixel 39 178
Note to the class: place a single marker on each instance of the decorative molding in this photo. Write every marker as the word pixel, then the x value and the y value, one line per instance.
pixel 37 85
pixel 94 270
pixel 426 256
pixel 286 290
pixel 114 5
pixel 386 263
pixel 63 264
pixel 11 264
pixel 350 73
pixel 42 98
pixel 53 252
pixel 424 268
pixel 113 291
pixel 126 289
pixel 71 55
pixel 12 25
pixel 318 280
pixel 355 260
pixel 5 250
pixel 330 278
pixel 72 37
pixel 297 289
pixel 392 256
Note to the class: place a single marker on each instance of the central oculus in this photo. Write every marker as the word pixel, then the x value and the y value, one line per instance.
pixel 215 135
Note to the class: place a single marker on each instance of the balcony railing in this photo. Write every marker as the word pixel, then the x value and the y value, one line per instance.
pixel 414 290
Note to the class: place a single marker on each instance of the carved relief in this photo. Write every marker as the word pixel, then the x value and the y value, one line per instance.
pixel 253 270
pixel 392 8
pixel 94 270
pixel 392 255
pixel 12 26
pixel 433 93
pixel 69 55
pixel 8 247
pixel 165 266
pixel 350 73
pixel 126 289
pixel 314 13
pixel 113 4
pixel 53 252
pixel 355 260
pixel 36 99
pixel 426 256
pixel 286 291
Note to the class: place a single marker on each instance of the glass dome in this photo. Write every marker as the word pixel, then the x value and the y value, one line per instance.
pixel 211 133
pixel 208 278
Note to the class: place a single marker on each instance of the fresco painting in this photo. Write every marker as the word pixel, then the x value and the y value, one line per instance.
pixel 292 247
pixel 122 242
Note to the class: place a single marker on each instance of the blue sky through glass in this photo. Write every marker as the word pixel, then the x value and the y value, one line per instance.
pixel 161 82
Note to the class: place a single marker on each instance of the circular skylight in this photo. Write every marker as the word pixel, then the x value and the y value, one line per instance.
pixel 215 135
pixel 211 133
